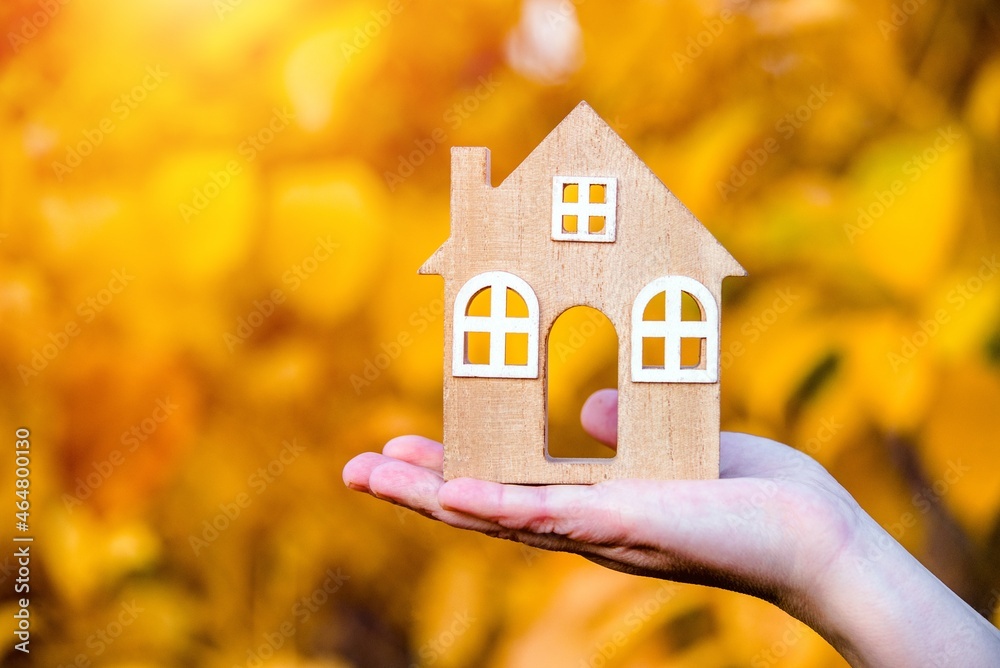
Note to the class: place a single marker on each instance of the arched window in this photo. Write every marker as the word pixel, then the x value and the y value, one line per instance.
pixel 495 328
pixel 675 333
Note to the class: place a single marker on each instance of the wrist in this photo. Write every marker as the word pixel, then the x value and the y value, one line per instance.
pixel 877 605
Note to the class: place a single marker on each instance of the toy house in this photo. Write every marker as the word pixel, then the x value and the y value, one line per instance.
pixel 582 221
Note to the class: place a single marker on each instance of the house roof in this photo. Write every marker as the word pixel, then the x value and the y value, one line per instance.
pixel 581 142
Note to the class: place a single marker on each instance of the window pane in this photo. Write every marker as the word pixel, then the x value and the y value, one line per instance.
pixel 598 193
pixel 691 349
pixel 516 353
pixel 655 308
pixel 571 192
pixel 583 208
pixel 516 306
pixel 477 348
pixel 690 308
pixel 653 350
pixel 495 304
pixel 692 353
pixel 479 305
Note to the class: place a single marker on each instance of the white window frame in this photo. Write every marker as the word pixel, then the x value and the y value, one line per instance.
pixel 497 324
pixel 583 208
pixel 672 329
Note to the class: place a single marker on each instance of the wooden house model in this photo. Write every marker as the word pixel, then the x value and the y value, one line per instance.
pixel 582 221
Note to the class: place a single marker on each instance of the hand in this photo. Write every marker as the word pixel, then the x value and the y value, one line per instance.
pixel 755 530
pixel 774 525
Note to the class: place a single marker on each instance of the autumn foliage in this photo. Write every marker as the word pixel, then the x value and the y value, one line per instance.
pixel 211 216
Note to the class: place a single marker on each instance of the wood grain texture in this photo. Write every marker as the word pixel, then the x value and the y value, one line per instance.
pixel 495 428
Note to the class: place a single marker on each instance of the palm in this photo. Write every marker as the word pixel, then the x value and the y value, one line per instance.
pixel 775 525
pixel 767 527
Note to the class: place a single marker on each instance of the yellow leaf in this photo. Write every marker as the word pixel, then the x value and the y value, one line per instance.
pixel 771 344
pixel 983 111
pixel 959 448
pixel 323 247
pixel 960 313
pixel 703 167
pixel 453 613
pixel 201 214
pixel 892 377
pixel 324 68
pixel 909 198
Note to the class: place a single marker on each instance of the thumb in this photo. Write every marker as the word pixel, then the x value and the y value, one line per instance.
pixel 599 416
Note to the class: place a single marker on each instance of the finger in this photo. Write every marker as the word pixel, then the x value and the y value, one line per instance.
pixel 408 485
pixel 416 450
pixel 357 471
pixel 599 416
pixel 416 488
pixel 514 512
pixel 675 528
pixel 748 456
pixel 578 512
pixel 609 523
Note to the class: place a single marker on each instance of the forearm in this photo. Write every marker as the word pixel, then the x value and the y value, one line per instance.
pixel 878 606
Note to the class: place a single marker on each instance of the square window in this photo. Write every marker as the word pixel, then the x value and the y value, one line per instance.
pixel 692 353
pixel 477 347
pixel 516 352
pixel 571 193
pixel 584 208
pixel 653 352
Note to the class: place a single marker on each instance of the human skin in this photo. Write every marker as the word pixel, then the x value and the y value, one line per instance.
pixel 774 525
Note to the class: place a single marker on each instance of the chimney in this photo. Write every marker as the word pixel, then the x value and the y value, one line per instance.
pixel 470 168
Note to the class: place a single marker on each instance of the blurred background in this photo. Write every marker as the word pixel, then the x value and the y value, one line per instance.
pixel 211 216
